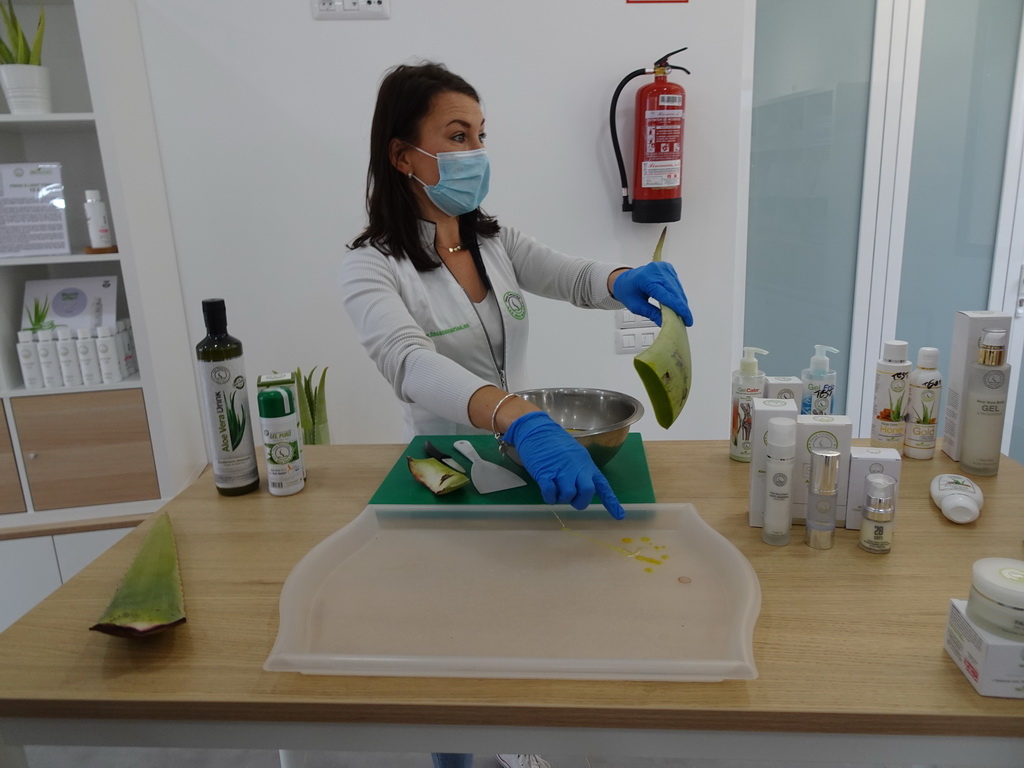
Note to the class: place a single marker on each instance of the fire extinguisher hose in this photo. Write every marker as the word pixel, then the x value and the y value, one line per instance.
pixel 626 204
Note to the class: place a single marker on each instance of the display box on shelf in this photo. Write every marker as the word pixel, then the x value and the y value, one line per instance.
pixel 33 221
pixel 74 302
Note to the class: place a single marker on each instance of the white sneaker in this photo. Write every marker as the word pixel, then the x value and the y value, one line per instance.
pixel 523 761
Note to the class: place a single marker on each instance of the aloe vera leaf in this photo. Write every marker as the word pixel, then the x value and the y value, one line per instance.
pixel 436 476
pixel 149 598
pixel 305 417
pixel 37 45
pixel 665 367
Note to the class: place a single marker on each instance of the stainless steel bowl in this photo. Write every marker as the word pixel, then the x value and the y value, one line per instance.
pixel 599 419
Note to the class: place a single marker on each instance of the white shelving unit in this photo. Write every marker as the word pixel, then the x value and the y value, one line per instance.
pixel 99 451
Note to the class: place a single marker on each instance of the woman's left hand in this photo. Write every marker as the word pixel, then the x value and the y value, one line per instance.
pixel 656 280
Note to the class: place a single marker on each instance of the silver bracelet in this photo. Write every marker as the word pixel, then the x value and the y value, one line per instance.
pixel 494 416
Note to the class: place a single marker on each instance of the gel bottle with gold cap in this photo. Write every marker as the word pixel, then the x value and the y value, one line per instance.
pixel 822 495
pixel 227 416
pixel 984 408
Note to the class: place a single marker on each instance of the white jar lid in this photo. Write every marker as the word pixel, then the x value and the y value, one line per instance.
pixel 1000 579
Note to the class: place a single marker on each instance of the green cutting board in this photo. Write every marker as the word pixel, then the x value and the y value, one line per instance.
pixel 627 473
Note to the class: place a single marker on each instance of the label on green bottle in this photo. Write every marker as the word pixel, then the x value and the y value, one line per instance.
pixel 228 423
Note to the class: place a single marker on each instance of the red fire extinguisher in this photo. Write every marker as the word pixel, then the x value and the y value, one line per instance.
pixel 657 145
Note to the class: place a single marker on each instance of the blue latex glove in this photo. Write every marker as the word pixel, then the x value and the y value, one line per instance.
pixel 561 466
pixel 656 280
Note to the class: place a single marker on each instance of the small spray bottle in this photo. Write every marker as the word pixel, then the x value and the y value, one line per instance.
pixel 819 383
pixel 747 383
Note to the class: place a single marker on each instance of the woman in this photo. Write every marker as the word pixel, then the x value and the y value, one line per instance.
pixel 435 287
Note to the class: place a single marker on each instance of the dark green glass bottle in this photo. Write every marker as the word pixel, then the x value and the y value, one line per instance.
pixel 227 417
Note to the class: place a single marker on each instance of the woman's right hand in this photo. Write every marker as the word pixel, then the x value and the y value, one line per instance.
pixel 561 466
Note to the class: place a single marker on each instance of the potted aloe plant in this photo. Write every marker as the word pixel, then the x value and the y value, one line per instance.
pixel 23 78
pixel 313 407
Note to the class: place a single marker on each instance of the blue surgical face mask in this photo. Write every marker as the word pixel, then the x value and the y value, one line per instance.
pixel 464 178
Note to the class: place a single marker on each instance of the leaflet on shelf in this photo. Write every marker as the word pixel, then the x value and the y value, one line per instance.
pixel 32 216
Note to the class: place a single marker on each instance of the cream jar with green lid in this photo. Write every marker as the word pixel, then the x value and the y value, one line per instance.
pixel 996 601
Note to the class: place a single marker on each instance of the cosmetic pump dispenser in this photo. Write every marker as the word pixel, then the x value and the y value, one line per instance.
pixel 819 383
pixel 984 408
pixel 88 358
pixel 888 424
pixel 879 513
pixel 822 496
pixel 778 498
pixel 67 353
pixel 747 383
pixel 227 418
pixel 28 357
pixel 923 406
pixel 49 360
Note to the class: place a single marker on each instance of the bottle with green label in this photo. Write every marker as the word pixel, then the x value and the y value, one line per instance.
pixel 279 424
pixel 227 419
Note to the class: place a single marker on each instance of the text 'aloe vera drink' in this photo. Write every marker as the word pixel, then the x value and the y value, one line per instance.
pixel 227 420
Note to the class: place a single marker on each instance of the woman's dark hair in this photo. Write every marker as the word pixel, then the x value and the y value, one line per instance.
pixel 405 97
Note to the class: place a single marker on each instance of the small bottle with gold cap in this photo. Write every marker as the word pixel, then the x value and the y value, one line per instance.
pixel 879 513
pixel 984 407
pixel 822 495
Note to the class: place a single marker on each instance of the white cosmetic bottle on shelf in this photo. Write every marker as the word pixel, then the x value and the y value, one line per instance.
pixel 67 353
pixel 28 357
pixel 49 361
pixel 101 238
pixel 88 359
pixel 106 351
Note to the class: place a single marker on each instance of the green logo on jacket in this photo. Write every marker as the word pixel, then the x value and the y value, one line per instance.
pixel 515 304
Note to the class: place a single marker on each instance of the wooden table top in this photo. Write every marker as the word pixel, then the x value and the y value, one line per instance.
pixel 846 641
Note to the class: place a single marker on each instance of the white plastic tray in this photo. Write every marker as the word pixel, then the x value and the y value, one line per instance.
pixel 540 592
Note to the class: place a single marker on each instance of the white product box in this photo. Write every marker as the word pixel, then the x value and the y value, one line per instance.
pixel 783 387
pixel 832 433
pixel 32 216
pixel 864 462
pixel 74 302
pixel 993 664
pixel 764 410
pixel 967 329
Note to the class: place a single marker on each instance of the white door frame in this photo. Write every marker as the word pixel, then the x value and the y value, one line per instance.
pixel 1006 293
pixel 892 107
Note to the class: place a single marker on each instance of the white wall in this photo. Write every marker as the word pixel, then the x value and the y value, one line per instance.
pixel 263 118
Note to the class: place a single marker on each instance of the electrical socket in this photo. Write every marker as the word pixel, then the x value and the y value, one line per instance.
pixel 625 319
pixel 351 10
pixel 630 341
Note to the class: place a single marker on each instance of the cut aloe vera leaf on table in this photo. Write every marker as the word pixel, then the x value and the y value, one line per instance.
pixel 149 598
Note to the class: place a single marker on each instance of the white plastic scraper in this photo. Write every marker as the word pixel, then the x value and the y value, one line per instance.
pixel 487 477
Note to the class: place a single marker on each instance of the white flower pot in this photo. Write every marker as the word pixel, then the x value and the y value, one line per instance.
pixel 26 87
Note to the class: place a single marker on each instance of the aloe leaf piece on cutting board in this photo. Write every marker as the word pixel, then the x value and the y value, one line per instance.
pixel 149 598
pixel 665 367
pixel 439 478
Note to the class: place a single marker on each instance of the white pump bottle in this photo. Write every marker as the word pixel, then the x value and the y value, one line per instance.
pixel 747 383
pixel 819 383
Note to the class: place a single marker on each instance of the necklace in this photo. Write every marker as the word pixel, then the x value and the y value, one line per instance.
pixel 455 249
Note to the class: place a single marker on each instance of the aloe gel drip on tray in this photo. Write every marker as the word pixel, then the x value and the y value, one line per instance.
pixel 227 417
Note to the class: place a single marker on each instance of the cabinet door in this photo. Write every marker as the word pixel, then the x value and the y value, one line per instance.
pixel 11 498
pixel 86 448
